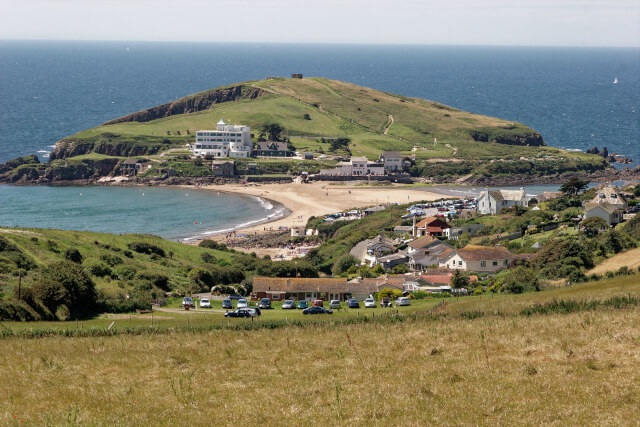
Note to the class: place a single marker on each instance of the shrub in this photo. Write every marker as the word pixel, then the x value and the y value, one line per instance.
pixel 343 264
pixel 111 260
pixel 99 269
pixel 79 290
pixel 159 280
pixel 146 248
pixel 208 258
pixel 212 244
pixel 73 255
pixel 124 272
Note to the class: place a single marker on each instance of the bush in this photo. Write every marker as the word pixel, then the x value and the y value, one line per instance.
pixel 343 264
pixel 77 290
pixel 99 269
pixel 208 258
pixel 111 260
pixel 146 248
pixel 124 272
pixel 158 280
pixel 73 255
pixel 212 244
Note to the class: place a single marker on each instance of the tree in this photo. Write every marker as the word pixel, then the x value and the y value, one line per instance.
pixel 390 293
pixel 400 269
pixel 458 280
pixel 593 226
pixel 274 130
pixel 574 186
pixel 344 263
pixel 79 289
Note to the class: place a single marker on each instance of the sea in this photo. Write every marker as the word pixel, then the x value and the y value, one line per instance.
pixel 49 90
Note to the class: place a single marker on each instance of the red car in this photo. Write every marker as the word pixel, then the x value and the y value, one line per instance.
pixel 318 303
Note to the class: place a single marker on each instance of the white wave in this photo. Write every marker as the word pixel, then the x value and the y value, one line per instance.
pixel 276 215
pixel 265 204
pixel 43 151
pixel 52 146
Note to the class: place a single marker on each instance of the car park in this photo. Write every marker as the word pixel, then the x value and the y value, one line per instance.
pixel 205 303
pixel 227 304
pixel 316 309
pixel 242 303
pixel 264 304
pixel 334 303
pixel 288 305
pixel 318 303
pixel 403 301
pixel 187 301
pixel 369 303
pixel 303 304
pixel 353 303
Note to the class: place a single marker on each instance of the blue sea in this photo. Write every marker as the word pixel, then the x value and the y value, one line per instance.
pixel 49 90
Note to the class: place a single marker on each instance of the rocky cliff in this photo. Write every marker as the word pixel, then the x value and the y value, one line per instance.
pixel 198 102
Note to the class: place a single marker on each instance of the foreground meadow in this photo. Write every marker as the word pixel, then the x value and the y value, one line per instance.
pixel 579 368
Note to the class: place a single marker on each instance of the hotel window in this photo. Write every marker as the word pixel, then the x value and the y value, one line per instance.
pixel 495 263
pixel 483 263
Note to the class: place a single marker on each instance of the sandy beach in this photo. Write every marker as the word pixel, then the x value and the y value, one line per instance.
pixel 320 198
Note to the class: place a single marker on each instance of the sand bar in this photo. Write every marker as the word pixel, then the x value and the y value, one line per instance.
pixel 320 198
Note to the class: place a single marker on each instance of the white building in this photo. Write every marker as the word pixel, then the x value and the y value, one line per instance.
pixel 482 259
pixel 492 202
pixel 357 166
pixel 225 141
pixel 392 160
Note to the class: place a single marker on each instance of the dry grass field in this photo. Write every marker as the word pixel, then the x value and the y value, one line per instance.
pixel 576 369
pixel 630 258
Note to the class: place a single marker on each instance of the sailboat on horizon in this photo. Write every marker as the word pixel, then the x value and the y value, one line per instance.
pixel 615 81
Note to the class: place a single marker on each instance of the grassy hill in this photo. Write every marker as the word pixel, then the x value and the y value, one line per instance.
pixel 452 368
pixel 313 108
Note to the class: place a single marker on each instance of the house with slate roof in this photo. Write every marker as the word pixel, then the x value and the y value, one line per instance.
pixel 610 213
pixel 492 202
pixel 482 259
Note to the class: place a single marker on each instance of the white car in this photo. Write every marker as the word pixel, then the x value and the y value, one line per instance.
pixel 369 303
pixel 242 303
pixel 205 303
pixel 403 301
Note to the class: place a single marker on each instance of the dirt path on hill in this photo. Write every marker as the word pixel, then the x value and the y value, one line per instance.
pixel 391 121
pixel 455 150
pixel 630 259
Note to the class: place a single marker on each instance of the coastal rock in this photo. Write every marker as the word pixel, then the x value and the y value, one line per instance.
pixel 593 150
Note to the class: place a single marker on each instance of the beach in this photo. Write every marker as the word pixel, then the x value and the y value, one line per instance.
pixel 318 198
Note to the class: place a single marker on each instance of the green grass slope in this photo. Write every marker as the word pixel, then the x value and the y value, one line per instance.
pixel 374 120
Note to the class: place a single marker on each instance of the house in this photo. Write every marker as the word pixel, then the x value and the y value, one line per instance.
pixel 374 209
pixel 426 252
pixel 612 214
pixel 296 76
pixel 478 258
pixel 225 141
pixel 609 194
pixel 298 231
pixel 356 166
pixel 273 149
pixel 470 229
pixel 392 161
pixel 134 166
pixel 223 168
pixel 405 283
pixel 389 261
pixel 549 195
pixel 492 202
pixel 299 288
pixel 431 226
pixel 368 251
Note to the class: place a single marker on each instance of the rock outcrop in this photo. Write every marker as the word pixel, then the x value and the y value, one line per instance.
pixel 191 104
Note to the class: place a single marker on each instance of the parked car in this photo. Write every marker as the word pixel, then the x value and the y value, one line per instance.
pixel 403 301
pixel 316 309
pixel 235 296
pixel 318 303
pixel 334 303
pixel 353 303
pixel 187 301
pixel 254 311
pixel 288 305
pixel 385 302
pixel 303 304
pixel 242 303
pixel 369 303
pixel 227 304
pixel 265 304
pixel 241 312
pixel 205 303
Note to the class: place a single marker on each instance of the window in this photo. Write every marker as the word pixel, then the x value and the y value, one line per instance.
pixel 505 262
pixel 495 263
pixel 483 263
pixel 460 263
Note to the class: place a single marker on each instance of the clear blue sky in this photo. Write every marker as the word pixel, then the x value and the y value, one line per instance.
pixel 468 22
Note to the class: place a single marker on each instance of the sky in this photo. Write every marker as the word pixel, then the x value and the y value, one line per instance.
pixel 427 22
